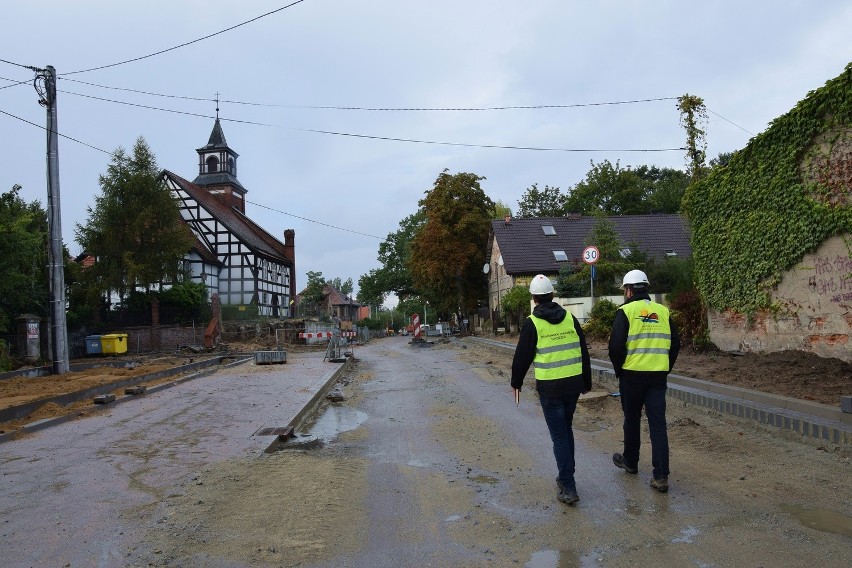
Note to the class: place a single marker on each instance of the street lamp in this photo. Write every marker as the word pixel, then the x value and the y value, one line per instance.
pixel 425 304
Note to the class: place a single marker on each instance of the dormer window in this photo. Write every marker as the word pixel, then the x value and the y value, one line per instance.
pixel 548 230
pixel 212 164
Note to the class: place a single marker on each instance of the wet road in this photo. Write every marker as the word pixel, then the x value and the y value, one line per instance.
pixel 426 462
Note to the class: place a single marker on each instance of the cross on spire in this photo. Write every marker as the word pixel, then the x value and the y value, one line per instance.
pixel 217 105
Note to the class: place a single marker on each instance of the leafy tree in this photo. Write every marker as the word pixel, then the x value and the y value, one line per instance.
pixel 344 288
pixel 395 254
pixel 24 286
pixel 549 202
pixel 516 303
pixel 447 253
pixel 370 289
pixel 721 160
pixel 135 230
pixel 664 188
pixel 611 190
pixel 311 298
pixel 693 117
pixel 501 210
pixel 609 268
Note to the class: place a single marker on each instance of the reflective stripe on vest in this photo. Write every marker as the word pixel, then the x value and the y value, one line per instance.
pixel 649 337
pixel 557 353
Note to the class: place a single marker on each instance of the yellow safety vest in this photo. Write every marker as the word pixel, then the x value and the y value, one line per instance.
pixel 649 336
pixel 557 352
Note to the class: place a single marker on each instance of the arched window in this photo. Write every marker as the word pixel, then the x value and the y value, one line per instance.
pixel 232 166
pixel 212 164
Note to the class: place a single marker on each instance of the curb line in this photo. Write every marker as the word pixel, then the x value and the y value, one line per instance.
pixel 48 422
pixel 811 422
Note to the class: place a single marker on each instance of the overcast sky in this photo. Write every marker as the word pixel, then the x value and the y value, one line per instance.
pixel 750 62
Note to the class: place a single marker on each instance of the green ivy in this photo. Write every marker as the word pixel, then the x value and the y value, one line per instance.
pixel 758 216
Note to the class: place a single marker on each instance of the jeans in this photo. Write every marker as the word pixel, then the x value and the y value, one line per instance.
pixel 559 414
pixel 637 393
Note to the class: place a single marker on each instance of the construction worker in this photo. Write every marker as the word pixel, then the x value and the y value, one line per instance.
pixel 553 342
pixel 643 347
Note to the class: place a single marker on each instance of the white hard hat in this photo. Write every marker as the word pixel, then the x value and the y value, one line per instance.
pixel 541 284
pixel 635 277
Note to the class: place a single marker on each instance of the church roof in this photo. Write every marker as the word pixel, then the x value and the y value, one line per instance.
pixel 249 232
pixel 217 138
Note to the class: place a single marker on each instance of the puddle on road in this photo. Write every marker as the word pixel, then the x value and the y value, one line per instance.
pixel 587 427
pixel 334 421
pixel 821 519
pixel 554 559
pixel 485 479
pixel 686 535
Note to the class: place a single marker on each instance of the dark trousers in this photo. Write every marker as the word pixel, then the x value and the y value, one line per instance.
pixel 559 415
pixel 638 392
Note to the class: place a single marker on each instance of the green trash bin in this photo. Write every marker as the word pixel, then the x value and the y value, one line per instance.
pixel 114 343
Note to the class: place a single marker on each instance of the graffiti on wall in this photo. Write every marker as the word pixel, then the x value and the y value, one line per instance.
pixel 832 278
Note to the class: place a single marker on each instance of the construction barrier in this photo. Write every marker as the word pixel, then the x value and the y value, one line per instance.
pixel 313 335
pixel 348 334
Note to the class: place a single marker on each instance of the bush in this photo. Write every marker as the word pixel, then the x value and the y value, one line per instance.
pixel 600 321
pixel 6 361
pixel 690 317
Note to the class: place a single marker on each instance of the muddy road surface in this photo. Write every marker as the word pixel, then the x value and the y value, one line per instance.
pixel 425 461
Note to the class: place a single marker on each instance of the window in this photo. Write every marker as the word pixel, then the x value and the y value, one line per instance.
pixel 548 230
pixel 212 164
pixel 670 252
pixel 560 255
pixel 625 252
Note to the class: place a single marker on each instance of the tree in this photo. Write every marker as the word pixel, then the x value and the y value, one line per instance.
pixel 501 210
pixel 23 258
pixel 448 252
pixel 135 230
pixel 665 188
pixel 609 189
pixel 549 202
pixel 312 296
pixel 516 303
pixel 370 289
pixel 611 265
pixel 693 117
pixel 344 287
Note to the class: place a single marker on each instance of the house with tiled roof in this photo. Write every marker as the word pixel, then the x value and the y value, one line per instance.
pixel 335 304
pixel 518 249
pixel 232 255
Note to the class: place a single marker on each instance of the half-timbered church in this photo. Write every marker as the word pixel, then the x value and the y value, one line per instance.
pixel 233 256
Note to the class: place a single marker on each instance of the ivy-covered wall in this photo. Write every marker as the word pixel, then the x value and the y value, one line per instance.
pixel 778 199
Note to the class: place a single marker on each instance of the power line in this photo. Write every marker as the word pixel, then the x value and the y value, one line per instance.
pixel 14 82
pixel 62 135
pixel 31 68
pixel 187 43
pixel 251 202
pixel 382 109
pixel 734 123
pixel 385 138
pixel 312 221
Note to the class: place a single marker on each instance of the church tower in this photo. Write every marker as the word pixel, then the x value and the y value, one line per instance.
pixel 217 170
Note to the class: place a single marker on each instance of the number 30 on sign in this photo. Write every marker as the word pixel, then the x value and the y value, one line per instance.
pixel 591 254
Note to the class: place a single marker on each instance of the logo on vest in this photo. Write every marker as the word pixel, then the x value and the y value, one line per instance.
pixel 647 317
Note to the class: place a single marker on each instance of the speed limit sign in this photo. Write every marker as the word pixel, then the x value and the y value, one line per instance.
pixel 591 254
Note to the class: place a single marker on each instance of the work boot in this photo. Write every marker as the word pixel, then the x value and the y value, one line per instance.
pixel 661 484
pixel 568 496
pixel 618 460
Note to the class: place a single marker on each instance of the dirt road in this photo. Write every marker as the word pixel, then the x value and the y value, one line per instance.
pixel 427 462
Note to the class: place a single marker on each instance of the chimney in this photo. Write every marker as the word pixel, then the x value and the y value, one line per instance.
pixel 573 216
pixel 290 253
pixel 508 220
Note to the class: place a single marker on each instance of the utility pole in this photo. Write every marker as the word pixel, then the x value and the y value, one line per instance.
pixel 56 261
